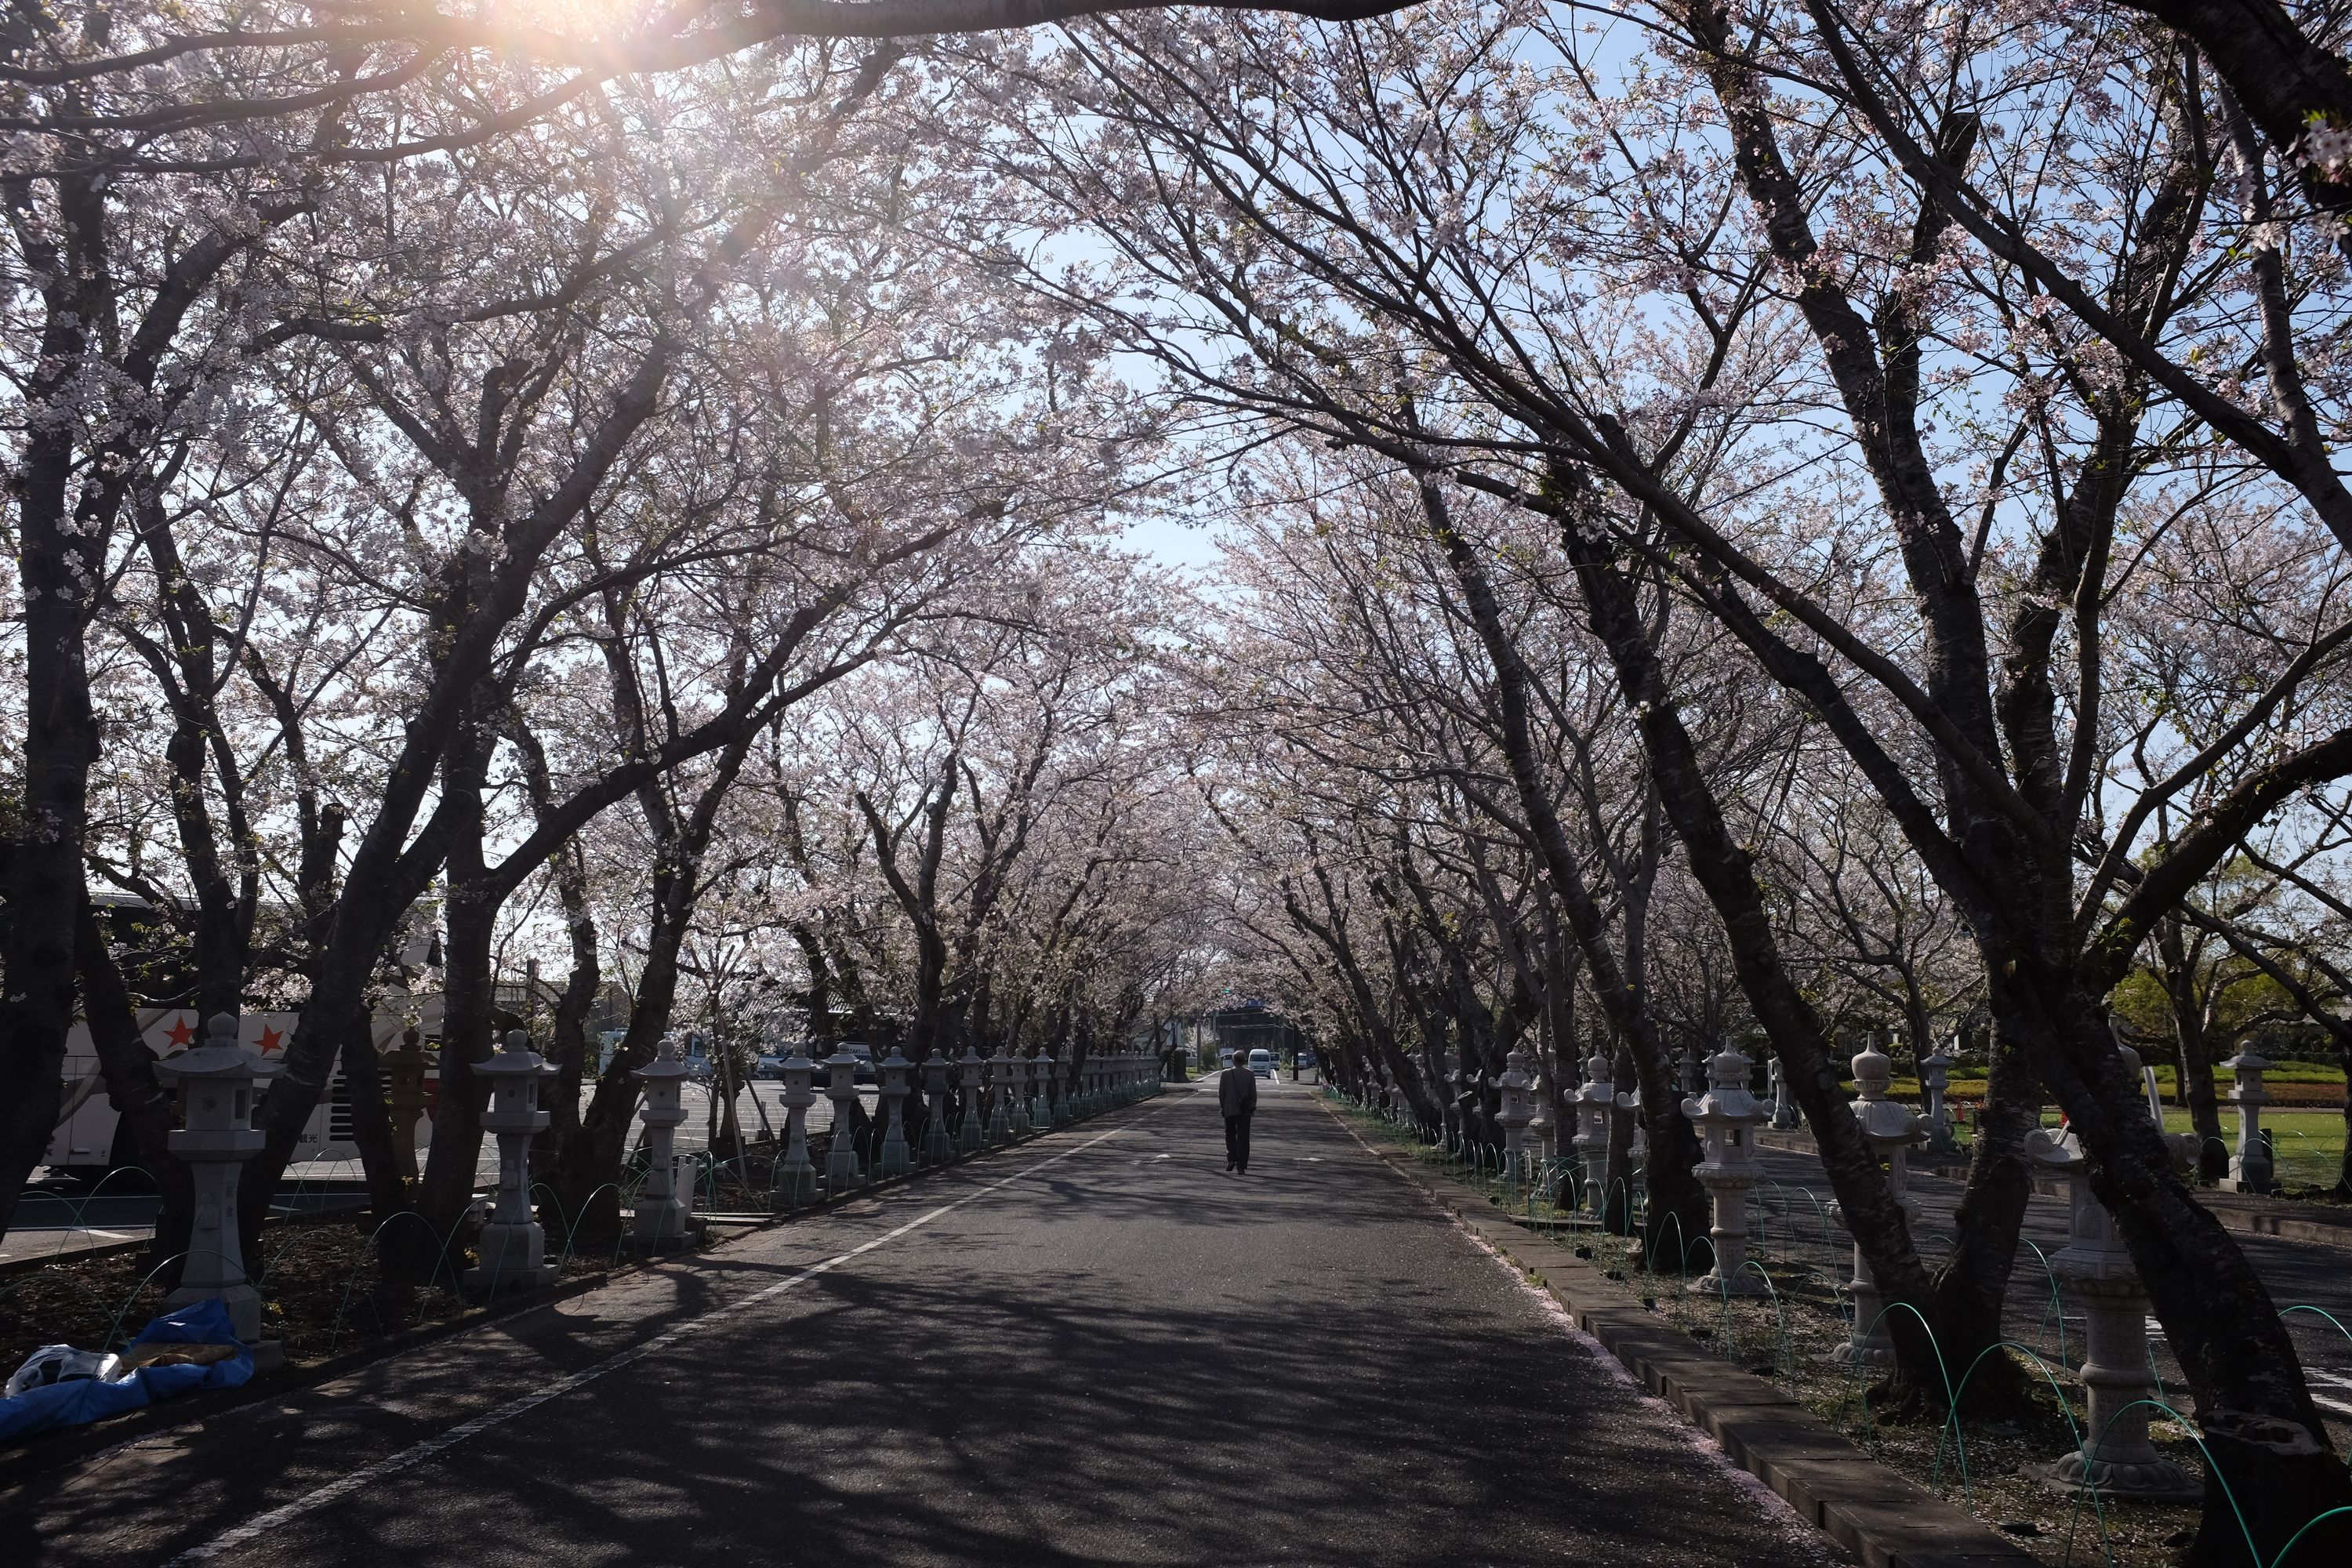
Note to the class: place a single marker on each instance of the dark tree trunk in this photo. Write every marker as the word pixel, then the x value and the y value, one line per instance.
pixel 1971 1288
pixel 468 1002
pixel 1678 1209
pixel 2195 1065
pixel 133 1087
pixel 1726 872
pixel 57 564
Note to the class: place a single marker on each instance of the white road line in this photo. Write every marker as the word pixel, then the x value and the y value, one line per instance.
pixel 311 1502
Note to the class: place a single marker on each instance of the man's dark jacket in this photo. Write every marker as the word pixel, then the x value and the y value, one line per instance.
pixel 1237 1091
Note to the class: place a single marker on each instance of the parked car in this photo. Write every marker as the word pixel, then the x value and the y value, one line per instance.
pixel 1261 1062
pixel 1302 1060
pixel 770 1065
pixel 864 1073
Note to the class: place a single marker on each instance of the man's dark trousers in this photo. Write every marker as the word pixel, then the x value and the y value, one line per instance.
pixel 1238 1142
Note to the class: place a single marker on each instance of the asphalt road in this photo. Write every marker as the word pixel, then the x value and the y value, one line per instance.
pixel 1097 1348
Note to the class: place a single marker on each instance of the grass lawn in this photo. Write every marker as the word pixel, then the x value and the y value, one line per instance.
pixel 2308 1146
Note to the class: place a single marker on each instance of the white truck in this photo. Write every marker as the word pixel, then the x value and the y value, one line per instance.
pixel 86 1142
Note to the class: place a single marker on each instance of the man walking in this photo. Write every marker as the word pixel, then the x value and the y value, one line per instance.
pixel 1237 1098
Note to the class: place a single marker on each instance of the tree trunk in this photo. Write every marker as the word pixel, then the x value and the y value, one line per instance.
pixel 468 996
pixel 135 1088
pixel 1971 1288
pixel 58 567
pixel 2195 1060
pixel 1678 1207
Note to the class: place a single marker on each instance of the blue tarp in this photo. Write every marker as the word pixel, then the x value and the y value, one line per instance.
pixel 202 1322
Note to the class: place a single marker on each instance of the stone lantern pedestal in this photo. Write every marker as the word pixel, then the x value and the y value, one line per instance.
pixel 1513 1116
pixel 218 1078
pixel 938 1144
pixel 2251 1166
pixel 1067 1106
pixel 1022 1070
pixel 514 1248
pixel 1727 1115
pixel 1935 1078
pixel 1040 1091
pixel 842 1169
pixel 1000 1089
pixel 1596 1102
pixel 894 1157
pixel 404 1094
pixel 663 1214
pixel 2117 1461
pixel 796 1176
pixel 972 1133
pixel 1890 1129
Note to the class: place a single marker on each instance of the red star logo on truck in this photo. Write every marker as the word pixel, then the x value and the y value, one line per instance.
pixel 271 1040
pixel 180 1033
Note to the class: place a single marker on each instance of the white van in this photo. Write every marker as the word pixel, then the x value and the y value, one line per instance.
pixel 1262 1062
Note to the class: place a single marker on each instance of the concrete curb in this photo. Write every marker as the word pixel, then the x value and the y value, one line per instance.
pixel 1884 1518
pixel 70 1445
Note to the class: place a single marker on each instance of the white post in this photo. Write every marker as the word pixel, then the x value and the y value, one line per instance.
pixel 1513 1116
pixel 894 1157
pixel 513 1248
pixel 974 1133
pixel 1934 1077
pixel 2115 1459
pixel 1000 1083
pixel 2250 1169
pixel 661 1213
pixel 1595 1102
pixel 1889 1130
pixel 938 1144
pixel 218 1078
pixel 1024 1072
pixel 1048 1111
pixel 796 1178
pixel 1727 1115
pixel 842 1170
pixel 1786 1117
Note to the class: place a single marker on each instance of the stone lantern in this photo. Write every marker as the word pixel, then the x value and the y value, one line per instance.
pixel 1024 1078
pixel 1890 1129
pixel 1934 1077
pixel 662 1210
pixel 842 1170
pixel 1047 1109
pixel 1513 1116
pixel 938 1144
pixel 796 1177
pixel 894 1157
pixel 2250 1169
pixel 404 1094
pixel 1596 1101
pixel 2115 1459
pixel 1726 1117
pixel 514 1248
pixel 1000 1083
pixel 217 1082
pixel 973 1131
